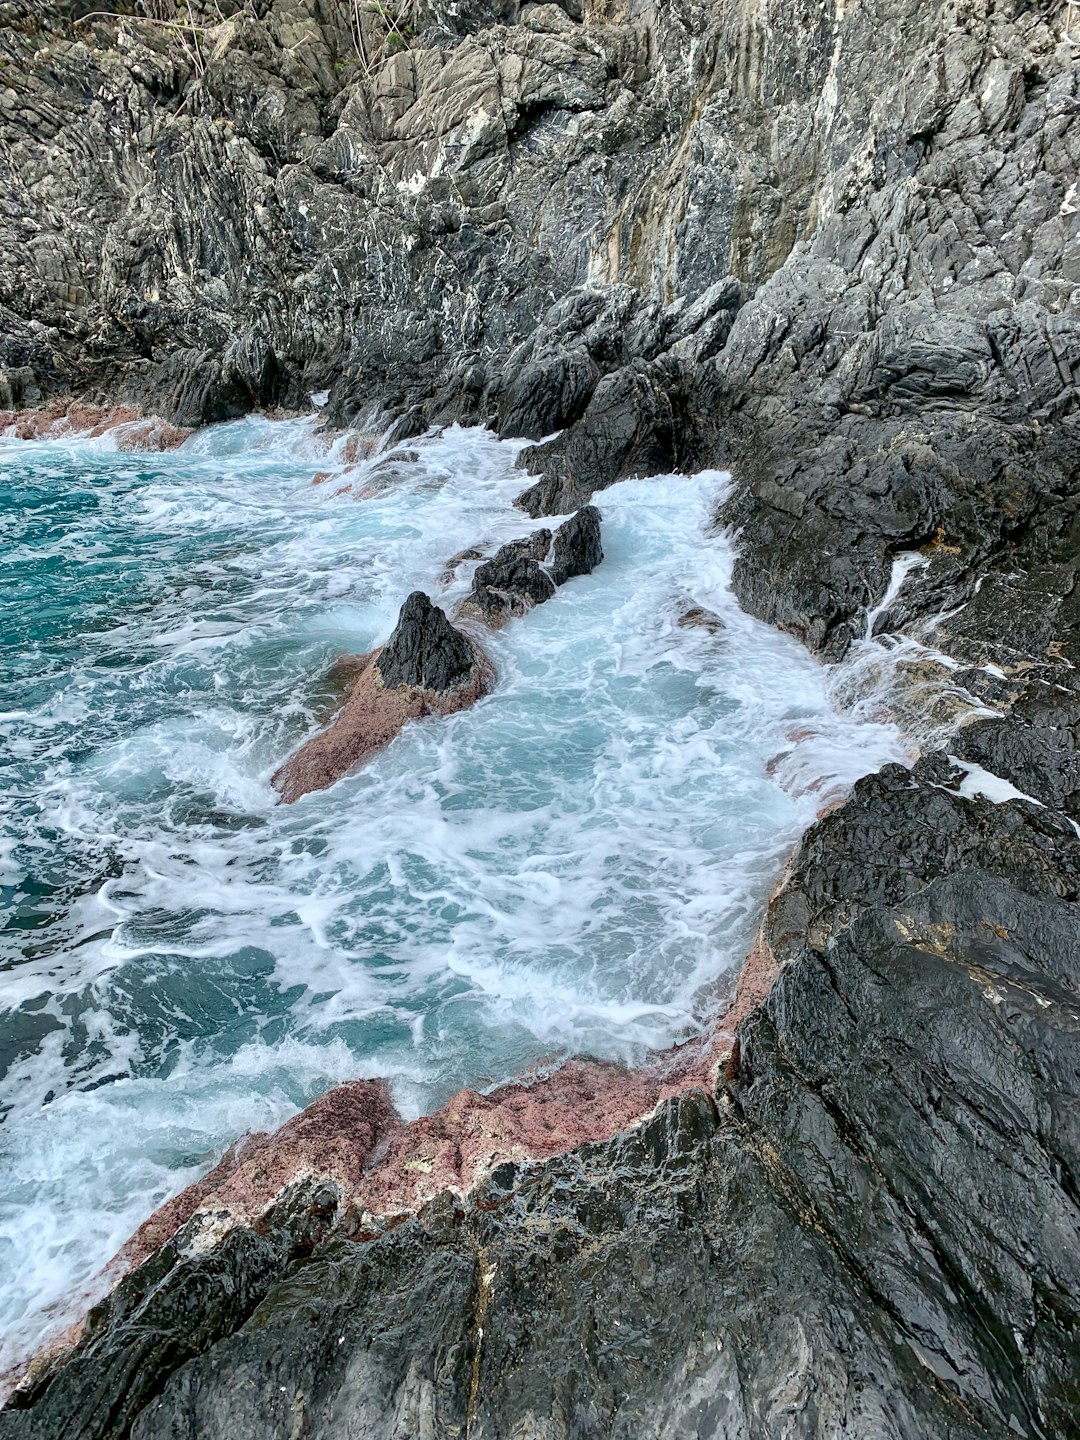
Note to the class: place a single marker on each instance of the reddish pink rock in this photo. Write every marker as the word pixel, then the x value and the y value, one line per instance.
pixel 427 667
pixel 334 1137
pixel 134 431
pixel 370 717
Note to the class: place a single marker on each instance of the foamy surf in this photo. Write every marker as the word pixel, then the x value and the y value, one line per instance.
pixel 577 865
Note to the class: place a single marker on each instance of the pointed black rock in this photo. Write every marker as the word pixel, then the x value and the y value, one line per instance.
pixel 577 546
pixel 425 649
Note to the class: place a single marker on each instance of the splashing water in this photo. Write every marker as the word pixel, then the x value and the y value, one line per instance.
pixel 575 865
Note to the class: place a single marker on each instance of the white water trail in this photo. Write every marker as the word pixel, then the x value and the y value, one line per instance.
pixel 902 567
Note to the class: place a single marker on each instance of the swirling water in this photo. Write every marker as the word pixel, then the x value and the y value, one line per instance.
pixel 575 865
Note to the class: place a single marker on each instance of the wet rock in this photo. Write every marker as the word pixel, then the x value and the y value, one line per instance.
pixel 627 429
pixel 834 250
pixel 527 572
pixel 513 581
pixel 577 546
pixel 1040 760
pixel 425 650
pixel 698 618
pixel 426 668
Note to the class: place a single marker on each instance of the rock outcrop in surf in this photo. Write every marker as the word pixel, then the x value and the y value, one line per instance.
pixel 528 572
pixel 425 652
pixel 512 581
pixel 427 667
pixel 577 548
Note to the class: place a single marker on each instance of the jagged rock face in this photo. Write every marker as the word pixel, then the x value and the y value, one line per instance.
pixel 870 1229
pixel 233 223
pixel 836 248
pixel 223 224
pixel 527 572
pixel 513 580
pixel 425 650
pixel 577 546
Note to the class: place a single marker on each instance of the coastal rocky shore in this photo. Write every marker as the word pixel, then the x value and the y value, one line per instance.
pixel 834 248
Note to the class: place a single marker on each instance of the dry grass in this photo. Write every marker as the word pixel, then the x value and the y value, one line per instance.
pixel 380 30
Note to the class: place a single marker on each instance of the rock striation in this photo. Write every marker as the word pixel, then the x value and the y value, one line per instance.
pixel 836 249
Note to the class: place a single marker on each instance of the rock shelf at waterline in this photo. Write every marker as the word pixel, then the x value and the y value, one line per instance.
pixel 367 1170
pixel 574 866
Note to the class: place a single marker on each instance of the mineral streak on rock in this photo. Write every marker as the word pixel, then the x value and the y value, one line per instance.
pixel 427 667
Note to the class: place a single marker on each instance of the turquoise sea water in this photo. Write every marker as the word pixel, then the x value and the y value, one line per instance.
pixel 575 865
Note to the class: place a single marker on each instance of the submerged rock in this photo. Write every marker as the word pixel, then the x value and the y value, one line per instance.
pixel 697 617
pixel 427 667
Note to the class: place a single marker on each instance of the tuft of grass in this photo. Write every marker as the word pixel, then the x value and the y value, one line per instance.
pixel 394 30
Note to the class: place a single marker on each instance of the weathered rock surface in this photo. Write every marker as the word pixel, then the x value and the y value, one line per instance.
pixel 836 249
pixel 425 651
pixel 427 667
pixel 527 572
pixel 577 549
pixel 871 1226
pixel 512 581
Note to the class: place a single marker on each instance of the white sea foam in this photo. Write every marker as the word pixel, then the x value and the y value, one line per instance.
pixel 978 781
pixel 576 864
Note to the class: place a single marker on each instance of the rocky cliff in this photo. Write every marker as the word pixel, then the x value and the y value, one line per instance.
pixel 837 248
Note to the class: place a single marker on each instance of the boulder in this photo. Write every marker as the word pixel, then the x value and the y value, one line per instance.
pixel 425 651
pixel 513 581
pixel 577 546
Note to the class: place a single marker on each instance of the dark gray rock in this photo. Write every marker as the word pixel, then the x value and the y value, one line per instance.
pixel 871 1229
pixel 425 650
pixel 513 581
pixel 627 429
pixel 577 548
